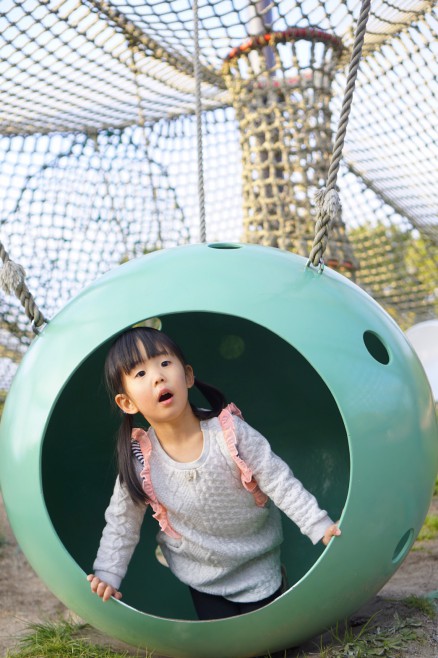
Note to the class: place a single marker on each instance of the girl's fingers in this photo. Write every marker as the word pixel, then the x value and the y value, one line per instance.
pixel 101 588
pixel 95 583
pixel 107 593
pixel 333 531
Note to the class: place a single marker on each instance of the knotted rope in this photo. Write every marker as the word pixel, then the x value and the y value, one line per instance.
pixel 12 281
pixel 328 204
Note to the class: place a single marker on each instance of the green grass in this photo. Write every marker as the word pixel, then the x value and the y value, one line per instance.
pixel 61 640
pixel 371 640
pixel 430 528
pixel 426 606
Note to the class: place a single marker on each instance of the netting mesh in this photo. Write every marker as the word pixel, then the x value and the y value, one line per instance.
pixel 98 140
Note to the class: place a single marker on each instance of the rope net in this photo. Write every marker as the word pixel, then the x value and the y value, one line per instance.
pixel 98 140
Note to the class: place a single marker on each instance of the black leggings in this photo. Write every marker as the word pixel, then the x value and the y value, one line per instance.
pixel 210 606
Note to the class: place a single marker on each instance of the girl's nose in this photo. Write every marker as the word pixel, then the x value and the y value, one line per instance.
pixel 159 376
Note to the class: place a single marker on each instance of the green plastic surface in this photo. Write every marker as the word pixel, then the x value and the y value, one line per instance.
pixel 311 360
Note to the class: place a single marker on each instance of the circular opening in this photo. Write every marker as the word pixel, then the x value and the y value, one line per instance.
pixel 403 546
pixel 224 351
pixel 376 347
pixel 224 245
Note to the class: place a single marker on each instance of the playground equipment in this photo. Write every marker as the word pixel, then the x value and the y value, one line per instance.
pixel 340 394
pixel 353 406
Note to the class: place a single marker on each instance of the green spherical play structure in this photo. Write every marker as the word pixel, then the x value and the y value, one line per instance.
pixel 311 360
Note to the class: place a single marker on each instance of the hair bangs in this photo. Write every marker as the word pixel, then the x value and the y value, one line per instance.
pixel 144 345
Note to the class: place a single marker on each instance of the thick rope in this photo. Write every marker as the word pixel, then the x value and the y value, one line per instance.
pixel 12 281
pixel 327 199
pixel 199 141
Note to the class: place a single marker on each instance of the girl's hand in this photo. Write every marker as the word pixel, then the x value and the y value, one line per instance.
pixel 102 589
pixel 332 531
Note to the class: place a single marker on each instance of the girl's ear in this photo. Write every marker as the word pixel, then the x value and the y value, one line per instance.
pixel 190 377
pixel 125 404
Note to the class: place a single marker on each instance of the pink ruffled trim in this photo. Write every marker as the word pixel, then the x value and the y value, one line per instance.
pixel 226 420
pixel 160 512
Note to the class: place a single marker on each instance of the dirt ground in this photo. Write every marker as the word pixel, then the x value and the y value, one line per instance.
pixel 24 598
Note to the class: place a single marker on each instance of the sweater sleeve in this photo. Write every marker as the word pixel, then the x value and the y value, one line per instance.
pixel 277 481
pixel 120 536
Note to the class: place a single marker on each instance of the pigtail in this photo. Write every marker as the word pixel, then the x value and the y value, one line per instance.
pixel 127 471
pixel 214 397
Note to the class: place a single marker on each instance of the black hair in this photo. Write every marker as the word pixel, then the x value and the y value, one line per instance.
pixel 125 353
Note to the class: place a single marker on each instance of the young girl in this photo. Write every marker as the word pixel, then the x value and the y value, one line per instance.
pixel 212 481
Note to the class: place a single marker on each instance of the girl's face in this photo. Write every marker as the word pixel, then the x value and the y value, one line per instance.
pixel 157 387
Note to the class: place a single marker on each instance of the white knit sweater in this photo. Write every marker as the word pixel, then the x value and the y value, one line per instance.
pixel 228 545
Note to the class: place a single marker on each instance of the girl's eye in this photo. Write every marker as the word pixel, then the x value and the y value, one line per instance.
pixel 165 363
pixel 141 373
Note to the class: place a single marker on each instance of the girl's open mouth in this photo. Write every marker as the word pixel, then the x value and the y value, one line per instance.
pixel 165 396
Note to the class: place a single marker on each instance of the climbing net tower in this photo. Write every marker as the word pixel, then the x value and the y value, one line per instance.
pixel 281 87
pixel 98 140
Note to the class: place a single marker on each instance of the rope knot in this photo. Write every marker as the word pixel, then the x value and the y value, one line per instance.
pixel 12 277
pixel 328 203
pixel 328 211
